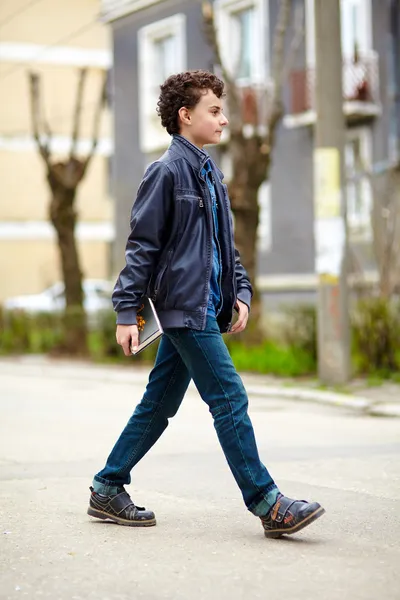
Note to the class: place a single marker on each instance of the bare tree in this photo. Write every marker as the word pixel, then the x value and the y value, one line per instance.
pixel 254 115
pixel 64 177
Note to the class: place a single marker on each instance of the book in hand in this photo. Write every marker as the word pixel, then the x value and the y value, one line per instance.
pixel 149 325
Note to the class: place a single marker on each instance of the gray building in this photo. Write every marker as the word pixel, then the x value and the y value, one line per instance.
pixel 154 38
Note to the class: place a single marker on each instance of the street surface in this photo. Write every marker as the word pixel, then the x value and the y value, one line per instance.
pixel 57 426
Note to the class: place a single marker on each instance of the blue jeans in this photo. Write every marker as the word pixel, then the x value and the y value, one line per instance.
pixel 186 354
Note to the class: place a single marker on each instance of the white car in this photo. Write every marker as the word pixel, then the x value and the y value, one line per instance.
pixel 97 297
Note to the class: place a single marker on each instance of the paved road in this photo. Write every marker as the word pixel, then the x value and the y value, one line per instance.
pixel 55 432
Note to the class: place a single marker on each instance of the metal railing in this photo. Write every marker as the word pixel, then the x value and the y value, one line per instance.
pixel 360 84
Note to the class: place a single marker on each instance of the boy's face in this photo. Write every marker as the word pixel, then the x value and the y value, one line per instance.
pixel 204 123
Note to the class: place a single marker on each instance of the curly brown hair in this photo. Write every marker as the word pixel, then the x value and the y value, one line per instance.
pixel 184 89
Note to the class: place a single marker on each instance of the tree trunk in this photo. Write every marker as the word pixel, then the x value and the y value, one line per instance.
pixel 250 168
pixel 63 217
pixel 246 225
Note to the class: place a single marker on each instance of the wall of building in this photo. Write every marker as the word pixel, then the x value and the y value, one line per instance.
pixel 130 161
pixel 291 191
pixel 55 40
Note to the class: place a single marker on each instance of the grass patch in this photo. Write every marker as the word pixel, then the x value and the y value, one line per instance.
pixel 375 380
pixel 272 358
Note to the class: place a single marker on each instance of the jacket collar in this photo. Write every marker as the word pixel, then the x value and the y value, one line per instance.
pixel 197 157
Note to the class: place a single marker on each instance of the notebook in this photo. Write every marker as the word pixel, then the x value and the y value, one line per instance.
pixel 149 325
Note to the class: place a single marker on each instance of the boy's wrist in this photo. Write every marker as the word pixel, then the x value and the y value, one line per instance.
pixel 244 295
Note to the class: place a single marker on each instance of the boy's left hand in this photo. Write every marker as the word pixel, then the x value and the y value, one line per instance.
pixel 243 316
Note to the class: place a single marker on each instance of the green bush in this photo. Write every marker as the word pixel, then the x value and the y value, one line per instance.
pixel 376 336
pixel 23 333
pixel 300 329
pixel 375 328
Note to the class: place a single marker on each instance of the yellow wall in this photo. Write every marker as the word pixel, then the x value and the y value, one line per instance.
pixel 58 94
pixel 25 192
pixel 28 266
pixel 48 20
pixel 36 265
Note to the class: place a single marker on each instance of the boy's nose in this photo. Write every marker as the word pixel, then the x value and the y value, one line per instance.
pixel 224 121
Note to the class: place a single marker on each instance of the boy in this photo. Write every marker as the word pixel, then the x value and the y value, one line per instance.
pixel 181 253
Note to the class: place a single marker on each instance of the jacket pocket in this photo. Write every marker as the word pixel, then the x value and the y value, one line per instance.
pixel 160 276
pixel 191 209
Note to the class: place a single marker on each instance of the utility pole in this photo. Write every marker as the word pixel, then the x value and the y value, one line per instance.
pixel 330 198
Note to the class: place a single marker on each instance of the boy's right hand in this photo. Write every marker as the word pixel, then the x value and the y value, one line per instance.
pixel 127 337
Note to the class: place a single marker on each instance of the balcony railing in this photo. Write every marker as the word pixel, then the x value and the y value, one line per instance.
pixel 360 85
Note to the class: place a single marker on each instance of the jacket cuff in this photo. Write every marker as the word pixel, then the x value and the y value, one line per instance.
pixel 127 317
pixel 244 295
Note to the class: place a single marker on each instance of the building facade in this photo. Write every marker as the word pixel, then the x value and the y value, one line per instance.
pixel 154 38
pixel 54 39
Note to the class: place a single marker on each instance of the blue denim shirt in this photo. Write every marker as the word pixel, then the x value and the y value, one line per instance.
pixel 214 300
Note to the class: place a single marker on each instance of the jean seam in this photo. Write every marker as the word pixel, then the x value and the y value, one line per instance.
pixel 145 433
pixel 231 411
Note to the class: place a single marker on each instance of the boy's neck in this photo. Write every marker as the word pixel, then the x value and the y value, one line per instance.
pixel 189 139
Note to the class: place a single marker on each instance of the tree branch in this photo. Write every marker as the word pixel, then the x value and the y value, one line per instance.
pixel 278 54
pixel 78 111
pixel 96 123
pixel 233 97
pixel 35 115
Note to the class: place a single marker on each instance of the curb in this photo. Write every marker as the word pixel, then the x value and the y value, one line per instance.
pixel 358 403
pixel 330 398
pixel 384 410
pixel 38 367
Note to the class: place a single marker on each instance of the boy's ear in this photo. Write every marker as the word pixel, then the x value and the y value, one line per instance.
pixel 184 115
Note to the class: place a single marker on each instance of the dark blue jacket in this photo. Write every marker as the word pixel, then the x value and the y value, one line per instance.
pixel 169 249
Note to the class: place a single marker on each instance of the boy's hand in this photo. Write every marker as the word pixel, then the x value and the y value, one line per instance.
pixel 241 323
pixel 127 337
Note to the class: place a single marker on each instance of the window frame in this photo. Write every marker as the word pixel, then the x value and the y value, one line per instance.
pixel 152 136
pixel 225 11
pixel 365 49
pixel 360 226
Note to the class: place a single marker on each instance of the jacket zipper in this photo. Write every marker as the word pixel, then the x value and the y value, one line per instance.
pixel 209 266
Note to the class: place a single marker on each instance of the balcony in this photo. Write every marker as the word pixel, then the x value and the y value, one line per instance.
pixel 360 92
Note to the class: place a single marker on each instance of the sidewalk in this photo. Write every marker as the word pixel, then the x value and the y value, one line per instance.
pixel 380 400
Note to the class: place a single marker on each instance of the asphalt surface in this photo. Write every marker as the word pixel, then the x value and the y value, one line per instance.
pixel 56 431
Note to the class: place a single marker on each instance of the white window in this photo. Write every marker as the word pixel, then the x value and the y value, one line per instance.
pixel 243 36
pixel 356 29
pixel 358 190
pixel 359 59
pixel 162 52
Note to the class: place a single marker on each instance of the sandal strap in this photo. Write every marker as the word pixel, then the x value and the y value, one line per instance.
pixel 120 502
